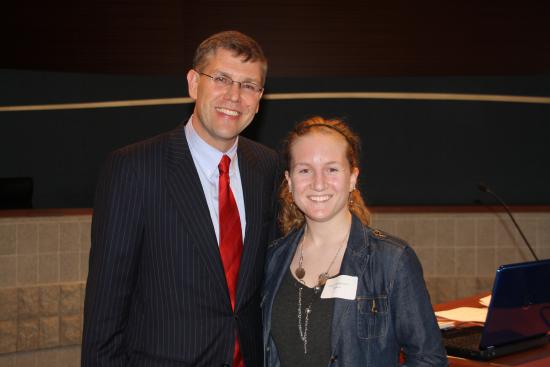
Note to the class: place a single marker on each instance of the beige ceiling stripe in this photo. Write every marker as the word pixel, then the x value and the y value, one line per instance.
pixel 110 104
pixel 292 96
pixel 412 96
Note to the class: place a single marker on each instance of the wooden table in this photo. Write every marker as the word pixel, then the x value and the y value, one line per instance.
pixel 536 357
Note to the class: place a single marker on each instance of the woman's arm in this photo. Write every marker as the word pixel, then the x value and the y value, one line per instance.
pixel 415 323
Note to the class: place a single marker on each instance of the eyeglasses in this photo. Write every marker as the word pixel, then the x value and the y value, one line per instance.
pixel 223 81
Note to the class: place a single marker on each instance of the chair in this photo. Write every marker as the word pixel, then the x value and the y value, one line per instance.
pixel 16 192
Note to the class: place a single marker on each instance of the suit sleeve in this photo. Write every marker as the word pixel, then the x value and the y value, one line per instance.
pixel 416 327
pixel 116 237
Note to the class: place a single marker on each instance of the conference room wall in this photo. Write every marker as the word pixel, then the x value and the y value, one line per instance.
pixel 427 141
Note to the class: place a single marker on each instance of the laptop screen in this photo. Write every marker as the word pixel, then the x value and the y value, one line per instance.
pixel 520 304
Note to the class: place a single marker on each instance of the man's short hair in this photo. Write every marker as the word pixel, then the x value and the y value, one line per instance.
pixel 239 43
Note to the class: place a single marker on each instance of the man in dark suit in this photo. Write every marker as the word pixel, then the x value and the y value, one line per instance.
pixel 180 228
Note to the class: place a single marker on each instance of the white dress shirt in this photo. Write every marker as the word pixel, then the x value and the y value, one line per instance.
pixel 206 159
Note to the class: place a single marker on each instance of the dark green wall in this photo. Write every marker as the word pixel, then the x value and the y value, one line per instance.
pixel 414 152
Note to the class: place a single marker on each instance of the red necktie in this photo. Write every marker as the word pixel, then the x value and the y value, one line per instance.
pixel 231 242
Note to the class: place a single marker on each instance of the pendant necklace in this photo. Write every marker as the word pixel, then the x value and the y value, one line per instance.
pixel 323 277
pixel 300 272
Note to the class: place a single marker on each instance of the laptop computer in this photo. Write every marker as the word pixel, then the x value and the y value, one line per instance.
pixel 518 317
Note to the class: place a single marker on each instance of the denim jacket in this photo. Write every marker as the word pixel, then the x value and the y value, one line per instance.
pixel 391 312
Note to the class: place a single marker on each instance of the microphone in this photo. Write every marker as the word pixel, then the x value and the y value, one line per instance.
pixel 484 188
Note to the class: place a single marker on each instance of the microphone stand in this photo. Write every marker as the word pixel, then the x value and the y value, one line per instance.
pixel 485 188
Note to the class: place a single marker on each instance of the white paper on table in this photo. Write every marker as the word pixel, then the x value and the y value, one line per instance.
pixel 443 325
pixel 464 314
pixel 485 301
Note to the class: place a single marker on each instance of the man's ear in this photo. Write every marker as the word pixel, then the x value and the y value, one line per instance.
pixel 192 83
pixel 259 98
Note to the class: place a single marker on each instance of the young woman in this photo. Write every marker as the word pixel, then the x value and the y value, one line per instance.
pixel 337 292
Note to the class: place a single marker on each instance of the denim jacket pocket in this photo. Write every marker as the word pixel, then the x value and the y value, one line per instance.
pixel 372 316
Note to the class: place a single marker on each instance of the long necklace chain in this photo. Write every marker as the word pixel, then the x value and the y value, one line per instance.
pixel 323 277
pixel 303 332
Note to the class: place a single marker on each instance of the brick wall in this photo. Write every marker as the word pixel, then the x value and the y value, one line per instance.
pixel 43 268
pixel 44 264
pixel 460 252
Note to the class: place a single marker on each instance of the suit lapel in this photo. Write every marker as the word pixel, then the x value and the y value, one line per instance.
pixel 184 186
pixel 252 186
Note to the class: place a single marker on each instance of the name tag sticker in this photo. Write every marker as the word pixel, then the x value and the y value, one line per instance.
pixel 343 286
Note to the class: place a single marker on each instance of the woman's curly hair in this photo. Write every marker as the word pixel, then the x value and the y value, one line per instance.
pixel 290 216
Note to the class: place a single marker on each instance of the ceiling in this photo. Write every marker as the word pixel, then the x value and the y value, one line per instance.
pixel 300 38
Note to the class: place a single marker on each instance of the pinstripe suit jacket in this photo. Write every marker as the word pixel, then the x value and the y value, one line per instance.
pixel 156 292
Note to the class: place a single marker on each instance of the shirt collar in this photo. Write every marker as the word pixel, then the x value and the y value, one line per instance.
pixel 207 156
